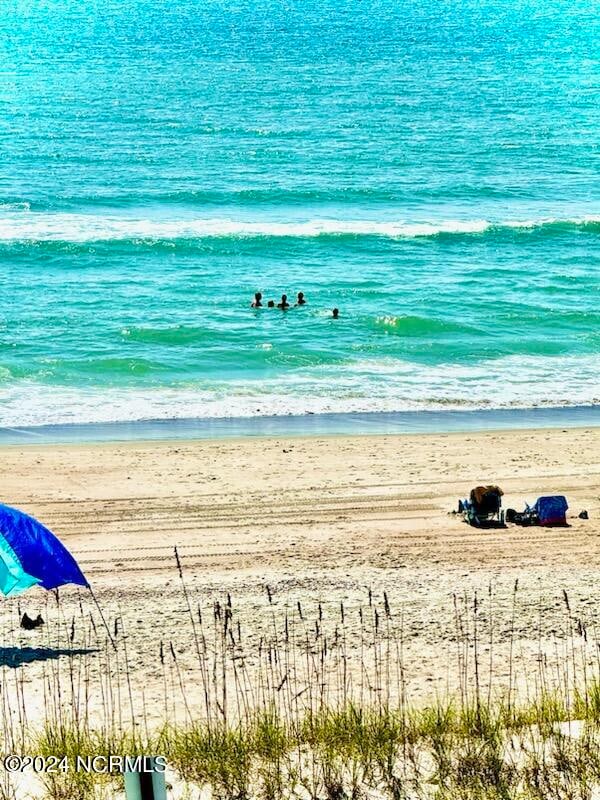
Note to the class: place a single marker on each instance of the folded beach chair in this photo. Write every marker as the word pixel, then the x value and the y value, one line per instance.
pixel 483 509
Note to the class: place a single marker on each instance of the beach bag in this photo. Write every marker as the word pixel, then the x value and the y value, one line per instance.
pixel 524 518
pixel 551 510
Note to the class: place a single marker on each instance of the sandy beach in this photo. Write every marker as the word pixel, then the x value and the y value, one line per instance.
pixel 317 520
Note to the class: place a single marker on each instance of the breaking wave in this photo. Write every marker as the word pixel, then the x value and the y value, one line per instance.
pixel 384 385
pixel 26 226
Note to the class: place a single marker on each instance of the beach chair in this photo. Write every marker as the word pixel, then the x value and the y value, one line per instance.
pixel 550 510
pixel 483 509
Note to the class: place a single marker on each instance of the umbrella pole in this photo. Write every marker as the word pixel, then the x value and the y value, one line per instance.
pixel 95 599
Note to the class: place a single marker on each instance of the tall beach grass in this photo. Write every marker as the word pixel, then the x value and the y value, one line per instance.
pixel 317 706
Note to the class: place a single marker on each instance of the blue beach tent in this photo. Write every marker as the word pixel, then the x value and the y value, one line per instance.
pixel 31 555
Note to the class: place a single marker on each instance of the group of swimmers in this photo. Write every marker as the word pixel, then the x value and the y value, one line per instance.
pixel 283 305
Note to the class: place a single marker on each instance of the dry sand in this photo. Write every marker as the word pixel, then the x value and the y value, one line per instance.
pixel 317 519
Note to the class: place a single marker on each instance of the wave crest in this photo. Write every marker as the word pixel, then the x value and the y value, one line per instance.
pixel 78 228
pixel 362 386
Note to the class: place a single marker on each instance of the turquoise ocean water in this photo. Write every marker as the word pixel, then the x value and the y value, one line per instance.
pixel 431 168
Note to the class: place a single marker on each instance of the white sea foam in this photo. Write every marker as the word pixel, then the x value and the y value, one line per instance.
pixel 18 206
pixel 38 226
pixel 381 385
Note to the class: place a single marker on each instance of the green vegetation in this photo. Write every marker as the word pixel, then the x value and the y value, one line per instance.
pixel 435 752
pixel 318 709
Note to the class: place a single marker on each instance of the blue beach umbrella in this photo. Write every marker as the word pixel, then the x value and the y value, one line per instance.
pixel 31 555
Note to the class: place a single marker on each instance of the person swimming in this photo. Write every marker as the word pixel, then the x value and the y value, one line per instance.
pixel 256 303
pixel 336 313
pixel 284 303
pixel 301 300
pixel 271 304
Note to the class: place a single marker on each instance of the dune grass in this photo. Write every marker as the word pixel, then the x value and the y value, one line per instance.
pixel 318 707
pixel 347 752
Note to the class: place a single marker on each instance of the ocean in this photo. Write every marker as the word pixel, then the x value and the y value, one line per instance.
pixel 432 169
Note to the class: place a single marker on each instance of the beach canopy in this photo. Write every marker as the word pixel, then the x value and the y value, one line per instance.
pixel 31 555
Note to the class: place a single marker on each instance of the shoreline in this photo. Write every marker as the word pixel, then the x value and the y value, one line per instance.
pixel 307 425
